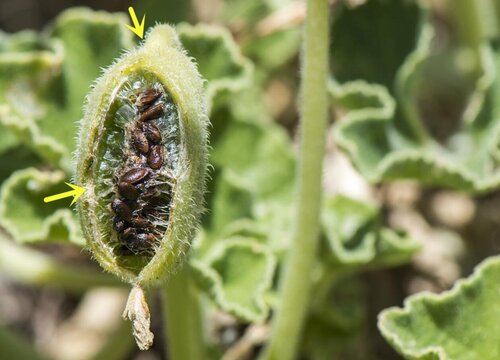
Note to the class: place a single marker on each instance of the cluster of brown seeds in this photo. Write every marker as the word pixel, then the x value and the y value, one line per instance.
pixel 138 205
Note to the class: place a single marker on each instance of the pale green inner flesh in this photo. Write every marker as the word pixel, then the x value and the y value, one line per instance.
pixel 113 152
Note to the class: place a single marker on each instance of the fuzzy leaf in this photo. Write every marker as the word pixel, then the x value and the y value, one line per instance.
pixel 46 79
pixel 274 50
pixel 460 324
pixel 356 238
pixel 232 201
pixel 371 41
pixel 236 274
pixel 333 329
pixel 426 138
pixel 262 165
pixel 27 218
pixel 218 58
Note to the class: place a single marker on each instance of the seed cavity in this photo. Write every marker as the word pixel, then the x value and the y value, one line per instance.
pixel 143 177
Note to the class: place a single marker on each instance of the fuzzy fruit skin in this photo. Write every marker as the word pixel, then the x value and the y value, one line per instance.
pixel 162 55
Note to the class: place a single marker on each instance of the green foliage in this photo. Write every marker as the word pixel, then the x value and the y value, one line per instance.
pixel 29 223
pixel 409 105
pixel 356 238
pixel 388 142
pixel 459 324
pixel 45 78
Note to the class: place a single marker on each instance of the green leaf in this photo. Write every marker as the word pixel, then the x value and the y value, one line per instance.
pixel 356 238
pixel 45 78
pixel 444 132
pixel 274 50
pixel 259 156
pixel 233 201
pixel 460 324
pixel 333 329
pixel 218 58
pixel 263 159
pixel 16 158
pixel 236 274
pixel 36 268
pixel 371 41
pixel 15 346
pixel 27 218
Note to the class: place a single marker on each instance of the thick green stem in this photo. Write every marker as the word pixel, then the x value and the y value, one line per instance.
pixel 15 347
pixel 118 345
pixel 296 283
pixel 36 268
pixel 181 312
pixel 475 20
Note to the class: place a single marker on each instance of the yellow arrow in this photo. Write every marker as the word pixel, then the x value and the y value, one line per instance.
pixel 137 29
pixel 76 193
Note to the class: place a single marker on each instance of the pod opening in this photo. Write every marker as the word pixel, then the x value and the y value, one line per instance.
pixel 139 154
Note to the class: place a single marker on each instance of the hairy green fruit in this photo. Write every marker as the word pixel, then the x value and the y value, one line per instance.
pixel 142 158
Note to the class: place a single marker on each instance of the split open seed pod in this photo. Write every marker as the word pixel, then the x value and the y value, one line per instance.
pixel 142 158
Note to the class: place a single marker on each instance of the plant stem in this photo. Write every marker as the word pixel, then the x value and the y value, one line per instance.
pixel 36 268
pixel 295 287
pixel 119 344
pixel 475 20
pixel 16 347
pixel 181 313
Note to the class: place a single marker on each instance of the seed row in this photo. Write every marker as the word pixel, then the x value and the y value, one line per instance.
pixel 138 196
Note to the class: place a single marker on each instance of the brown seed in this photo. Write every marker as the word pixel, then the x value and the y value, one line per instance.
pixel 155 157
pixel 146 97
pixel 127 233
pixel 152 132
pixel 135 175
pixel 121 209
pixel 140 141
pixel 153 112
pixel 140 241
pixel 140 222
pixel 128 191
pixel 118 224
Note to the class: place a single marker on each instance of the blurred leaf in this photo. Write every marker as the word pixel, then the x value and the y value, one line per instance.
pixel 256 154
pixel 16 347
pixel 163 11
pixel 335 322
pixel 274 50
pixel 245 13
pixel 228 200
pixel 16 158
pixel 45 79
pixel 236 274
pixel 356 238
pixel 371 41
pixel 36 268
pixel 445 132
pixel 218 59
pixel 27 218
pixel 460 324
